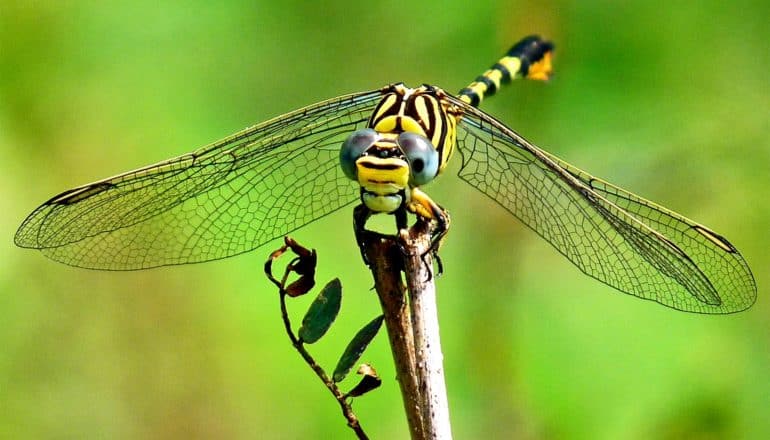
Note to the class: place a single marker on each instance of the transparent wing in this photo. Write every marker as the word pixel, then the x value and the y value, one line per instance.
pixel 621 239
pixel 221 200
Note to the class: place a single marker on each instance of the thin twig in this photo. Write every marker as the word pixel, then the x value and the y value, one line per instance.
pixel 304 266
pixel 347 410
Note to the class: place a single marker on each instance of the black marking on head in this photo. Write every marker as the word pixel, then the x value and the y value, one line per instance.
pixel 388 150
pixel 380 166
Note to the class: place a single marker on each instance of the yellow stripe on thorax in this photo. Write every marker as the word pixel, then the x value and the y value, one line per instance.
pixel 418 111
pixel 450 140
pixel 398 123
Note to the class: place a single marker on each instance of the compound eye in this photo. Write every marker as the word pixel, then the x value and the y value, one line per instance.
pixel 353 148
pixel 421 155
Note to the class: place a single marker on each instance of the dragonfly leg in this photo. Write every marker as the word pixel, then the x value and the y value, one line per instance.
pixel 428 210
pixel 360 215
pixel 437 239
pixel 424 207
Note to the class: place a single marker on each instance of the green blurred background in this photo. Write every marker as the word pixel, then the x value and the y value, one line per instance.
pixel 671 102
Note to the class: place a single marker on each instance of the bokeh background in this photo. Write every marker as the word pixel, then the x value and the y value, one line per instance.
pixel 668 99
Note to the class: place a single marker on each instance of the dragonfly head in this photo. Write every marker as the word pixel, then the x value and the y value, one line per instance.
pixel 402 158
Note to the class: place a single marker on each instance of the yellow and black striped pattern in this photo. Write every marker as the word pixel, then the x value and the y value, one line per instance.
pixel 420 111
pixel 383 180
pixel 426 111
pixel 529 58
pixel 384 175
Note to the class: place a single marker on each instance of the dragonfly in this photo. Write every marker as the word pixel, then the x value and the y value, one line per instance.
pixel 379 147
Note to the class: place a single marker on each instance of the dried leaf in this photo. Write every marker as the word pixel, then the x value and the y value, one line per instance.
pixel 369 381
pixel 303 264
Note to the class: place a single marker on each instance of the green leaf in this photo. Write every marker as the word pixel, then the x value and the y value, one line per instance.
pixel 322 312
pixel 356 348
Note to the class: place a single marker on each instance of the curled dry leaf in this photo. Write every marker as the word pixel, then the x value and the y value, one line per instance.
pixel 303 264
pixel 369 381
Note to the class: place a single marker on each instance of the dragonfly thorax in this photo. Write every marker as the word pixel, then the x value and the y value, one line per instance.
pixel 423 111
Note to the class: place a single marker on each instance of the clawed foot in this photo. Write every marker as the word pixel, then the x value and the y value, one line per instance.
pixel 437 228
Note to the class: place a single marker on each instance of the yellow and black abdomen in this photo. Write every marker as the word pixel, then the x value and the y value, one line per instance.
pixel 529 58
